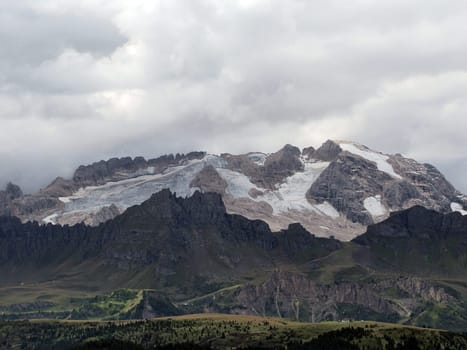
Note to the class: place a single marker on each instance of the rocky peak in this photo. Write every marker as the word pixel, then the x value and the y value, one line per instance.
pixel 165 206
pixel 288 151
pixel 282 164
pixel 59 188
pixel 328 151
pixel 13 191
pixel 7 197
pixel 308 152
pixel 297 242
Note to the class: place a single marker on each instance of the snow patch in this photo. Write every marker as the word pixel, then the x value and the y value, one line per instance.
pixel 257 158
pixel 64 199
pixel 238 184
pixel 290 195
pixel 380 159
pixel 50 219
pixel 374 206
pixel 327 209
pixel 458 207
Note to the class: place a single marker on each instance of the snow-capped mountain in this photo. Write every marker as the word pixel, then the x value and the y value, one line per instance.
pixel 335 190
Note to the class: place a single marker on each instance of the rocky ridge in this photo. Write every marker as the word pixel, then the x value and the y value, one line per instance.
pixel 419 241
pixel 337 189
pixel 295 296
pixel 180 236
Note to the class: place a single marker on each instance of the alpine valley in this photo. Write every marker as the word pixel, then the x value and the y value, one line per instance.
pixel 337 233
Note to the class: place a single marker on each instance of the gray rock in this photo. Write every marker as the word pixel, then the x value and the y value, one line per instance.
pixel 13 191
pixel 209 180
pixel 328 151
pixel 346 183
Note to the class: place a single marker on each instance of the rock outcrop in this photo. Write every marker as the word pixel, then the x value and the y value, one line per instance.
pixel 420 242
pixel 116 169
pixel 295 296
pixel 7 196
pixel 328 151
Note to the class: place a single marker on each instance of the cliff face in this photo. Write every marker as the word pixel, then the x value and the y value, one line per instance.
pixel 295 296
pixel 30 243
pixel 366 185
pixel 417 223
pixel 7 196
pixel 420 242
pixel 116 169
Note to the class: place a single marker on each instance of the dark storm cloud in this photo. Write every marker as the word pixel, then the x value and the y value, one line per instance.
pixel 81 81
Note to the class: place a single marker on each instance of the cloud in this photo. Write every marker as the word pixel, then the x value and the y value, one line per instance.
pixel 81 81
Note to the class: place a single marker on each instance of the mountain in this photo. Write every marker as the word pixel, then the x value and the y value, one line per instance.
pixel 182 255
pixel 337 189
pixel 419 241
pixel 167 241
pixel 249 234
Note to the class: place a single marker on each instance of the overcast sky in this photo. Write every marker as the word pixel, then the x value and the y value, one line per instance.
pixel 91 79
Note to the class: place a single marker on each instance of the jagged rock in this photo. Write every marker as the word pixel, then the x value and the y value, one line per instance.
pixel 299 243
pixel 282 164
pixel 346 183
pixel 276 168
pixel 401 194
pixel 60 188
pixel 102 171
pixel 119 168
pixel 328 151
pixel 244 165
pixel 308 152
pixel 13 191
pixel 28 205
pixel 7 196
pixel 28 243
